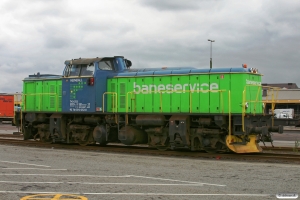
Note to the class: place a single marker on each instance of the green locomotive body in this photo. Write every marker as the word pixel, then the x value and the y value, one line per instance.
pixel 206 93
pixel 42 94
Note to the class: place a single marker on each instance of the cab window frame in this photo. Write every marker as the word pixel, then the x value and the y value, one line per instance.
pixel 106 65
pixel 81 70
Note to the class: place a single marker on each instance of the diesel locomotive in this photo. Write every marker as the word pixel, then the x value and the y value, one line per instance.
pixel 104 100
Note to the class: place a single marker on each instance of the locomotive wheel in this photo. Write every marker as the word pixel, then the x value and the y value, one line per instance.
pixel 215 150
pixel 37 137
pixel 99 135
pixel 83 143
pixel 102 144
pixel 220 147
pixel 87 140
pixel 162 148
pixel 210 150
pixel 27 132
pixel 43 139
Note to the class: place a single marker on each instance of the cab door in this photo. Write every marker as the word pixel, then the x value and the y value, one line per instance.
pixel 78 89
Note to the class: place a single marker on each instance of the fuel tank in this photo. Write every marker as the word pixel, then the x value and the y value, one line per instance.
pixel 100 134
pixel 129 135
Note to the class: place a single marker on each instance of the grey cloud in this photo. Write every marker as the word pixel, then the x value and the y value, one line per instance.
pixel 176 5
pixel 264 36
pixel 56 42
pixel 115 26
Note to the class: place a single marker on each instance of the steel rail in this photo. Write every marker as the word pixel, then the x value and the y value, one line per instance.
pixel 269 157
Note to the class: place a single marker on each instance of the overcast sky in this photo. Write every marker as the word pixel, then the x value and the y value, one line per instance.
pixel 38 36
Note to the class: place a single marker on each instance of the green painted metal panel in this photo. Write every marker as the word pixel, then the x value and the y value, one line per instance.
pixel 28 98
pixel 38 96
pixel 224 86
pixel 195 98
pixel 51 95
pixel 165 86
pixel 171 94
pixel 121 89
pixel 259 105
pixel 59 91
pixel 248 93
pixel 145 102
pixel 237 86
pixel 157 96
pixel 111 99
pixel 185 95
pixel 254 96
pixel 137 99
pixel 175 96
pixel 47 103
pixel 214 96
pixel 42 95
pixel 203 87
pixel 131 97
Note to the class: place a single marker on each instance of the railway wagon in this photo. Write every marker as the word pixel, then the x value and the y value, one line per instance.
pixel 104 100
pixel 8 104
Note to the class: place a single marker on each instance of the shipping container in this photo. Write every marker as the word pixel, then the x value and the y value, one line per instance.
pixel 6 107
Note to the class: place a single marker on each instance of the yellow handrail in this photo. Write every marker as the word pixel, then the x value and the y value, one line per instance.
pixel 273 99
pixel 244 100
pixel 229 114
pixel 161 92
pixel 115 99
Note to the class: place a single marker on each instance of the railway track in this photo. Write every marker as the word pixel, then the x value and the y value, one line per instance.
pixel 281 149
pixel 11 136
pixel 269 155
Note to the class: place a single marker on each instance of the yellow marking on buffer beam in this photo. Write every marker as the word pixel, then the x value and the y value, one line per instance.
pixel 251 146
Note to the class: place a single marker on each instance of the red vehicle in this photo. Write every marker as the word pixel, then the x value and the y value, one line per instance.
pixel 6 107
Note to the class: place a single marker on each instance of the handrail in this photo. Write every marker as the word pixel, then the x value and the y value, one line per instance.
pixel 244 100
pixel 243 110
pixel 115 99
pixel 272 90
pixel 273 100
pixel 135 93
pixel 161 92
pixel 229 114
pixel 256 101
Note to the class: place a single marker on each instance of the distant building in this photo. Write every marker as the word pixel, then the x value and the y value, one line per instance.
pixel 282 85
pixel 282 95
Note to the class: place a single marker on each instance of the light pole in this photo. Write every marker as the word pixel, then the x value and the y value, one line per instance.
pixel 211 41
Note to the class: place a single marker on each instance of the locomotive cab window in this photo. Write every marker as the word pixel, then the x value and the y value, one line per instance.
pixel 87 70
pixel 106 65
pixel 80 70
pixel 74 70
